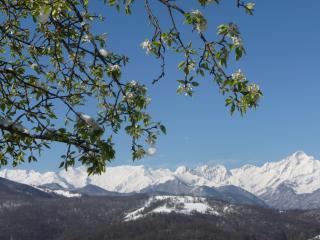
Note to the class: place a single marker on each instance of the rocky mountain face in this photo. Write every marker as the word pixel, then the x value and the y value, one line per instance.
pixel 293 182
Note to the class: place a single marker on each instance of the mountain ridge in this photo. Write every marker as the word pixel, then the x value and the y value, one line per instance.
pixel 299 171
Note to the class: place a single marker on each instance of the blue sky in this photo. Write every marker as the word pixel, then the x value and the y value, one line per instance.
pixel 282 43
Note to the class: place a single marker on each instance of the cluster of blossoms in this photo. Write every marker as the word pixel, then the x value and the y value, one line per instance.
pixel 238 76
pixel 237 41
pixel 253 88
pixel 146 44
pixel 83 118
pixel 114 71
pixel 135 94
pixel 130 91
pixel 199 21
pixel 132 83
pixel 86 38
pixel 129 96
pixel 192 65
pixel 185 88
pixel 115 67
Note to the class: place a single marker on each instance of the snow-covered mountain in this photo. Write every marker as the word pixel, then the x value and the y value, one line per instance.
pixel 299 171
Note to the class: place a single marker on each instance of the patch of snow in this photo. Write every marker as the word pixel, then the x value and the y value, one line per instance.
pixel 61 192
pixel 315 238
pixel 66 193
pixel 178 204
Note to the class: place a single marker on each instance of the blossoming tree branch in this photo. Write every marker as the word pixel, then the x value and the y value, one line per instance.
pixel 50 56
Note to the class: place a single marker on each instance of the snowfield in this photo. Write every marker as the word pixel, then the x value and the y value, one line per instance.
pixel 315 238
pixel 177 204
pixel 60 192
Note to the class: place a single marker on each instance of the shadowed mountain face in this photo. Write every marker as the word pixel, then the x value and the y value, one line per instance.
pixel 174 187
pixel 18 191
pixel 52 186
pixel 229 193
pixel 284 197
pixel 92 190
pixel 239 195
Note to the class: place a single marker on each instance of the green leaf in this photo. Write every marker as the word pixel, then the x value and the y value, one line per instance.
pixel 238 53
pixel 181 64
pixel 61 165
pixel 163 129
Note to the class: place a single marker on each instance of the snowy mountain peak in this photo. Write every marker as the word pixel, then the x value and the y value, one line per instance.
pixel 216 173
pixel 300 155
pixel 182 170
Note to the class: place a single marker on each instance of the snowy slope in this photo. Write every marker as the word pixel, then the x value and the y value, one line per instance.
pixel 177 204
pixel 299 171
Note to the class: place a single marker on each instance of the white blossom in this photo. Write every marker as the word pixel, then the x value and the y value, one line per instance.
pixel 103 52
pixel 238 76
pixel 146 44
pixel 86 38
pixel 237 41
pixel 133 83
pixel 87 119
pixel 253 88
pixel 201 22
pixel 151 151
pixel 115 68
pixel 192 65
pixel 130 95
pixel 185 88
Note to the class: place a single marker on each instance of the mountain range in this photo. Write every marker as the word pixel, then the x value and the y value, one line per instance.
pixel 293 182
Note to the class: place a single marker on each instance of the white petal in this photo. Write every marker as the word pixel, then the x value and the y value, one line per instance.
pixel 151 151
pixel 103 52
